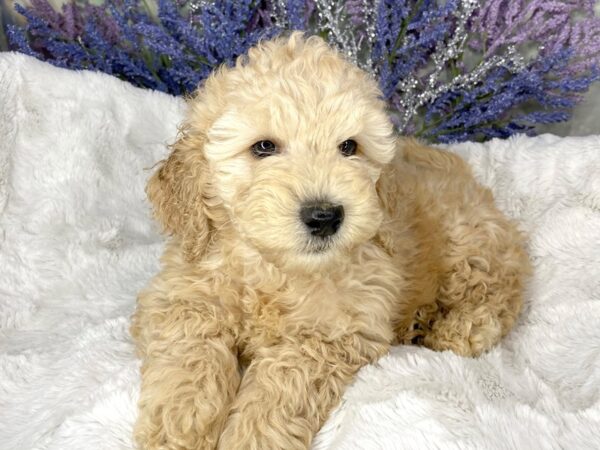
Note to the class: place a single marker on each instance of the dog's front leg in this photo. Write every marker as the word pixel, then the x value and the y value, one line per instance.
pixel 289 390
pixel 189 373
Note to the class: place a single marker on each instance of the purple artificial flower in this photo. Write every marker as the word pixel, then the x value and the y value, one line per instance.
pixel 297 14
pixel 407 34
pixel 547 24
pixel 419 47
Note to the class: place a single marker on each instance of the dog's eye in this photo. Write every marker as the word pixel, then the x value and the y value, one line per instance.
pixel 262 149
pixel 348 148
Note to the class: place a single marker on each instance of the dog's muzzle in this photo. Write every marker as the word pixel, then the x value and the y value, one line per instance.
pixel 322 218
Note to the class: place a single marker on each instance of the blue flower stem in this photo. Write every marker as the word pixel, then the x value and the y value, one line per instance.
pixel 402 32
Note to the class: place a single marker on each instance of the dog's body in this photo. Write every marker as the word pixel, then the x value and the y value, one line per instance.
pixel 288 273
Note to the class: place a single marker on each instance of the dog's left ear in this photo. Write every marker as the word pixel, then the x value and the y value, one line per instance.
pixel 177 191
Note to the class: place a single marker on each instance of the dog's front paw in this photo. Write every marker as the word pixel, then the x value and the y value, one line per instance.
pixel 184 408
pixel 172 427
pixel 264 431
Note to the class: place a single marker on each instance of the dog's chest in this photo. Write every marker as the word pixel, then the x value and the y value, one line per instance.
pixel 329 307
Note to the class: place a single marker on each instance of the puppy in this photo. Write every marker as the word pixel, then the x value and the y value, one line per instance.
pixel 306 240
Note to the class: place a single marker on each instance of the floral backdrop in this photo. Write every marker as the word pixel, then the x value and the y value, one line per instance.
pixel 451 70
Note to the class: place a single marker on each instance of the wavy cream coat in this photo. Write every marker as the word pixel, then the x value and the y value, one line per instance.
pixel 251 332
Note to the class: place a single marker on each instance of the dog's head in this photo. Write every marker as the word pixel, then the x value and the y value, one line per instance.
pixel 287 147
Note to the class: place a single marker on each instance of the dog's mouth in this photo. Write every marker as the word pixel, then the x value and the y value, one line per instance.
pixel 318 246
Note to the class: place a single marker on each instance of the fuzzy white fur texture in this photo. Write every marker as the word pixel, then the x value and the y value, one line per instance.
pixel 77 243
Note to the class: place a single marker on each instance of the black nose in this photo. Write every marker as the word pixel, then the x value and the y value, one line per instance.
pixel 322 219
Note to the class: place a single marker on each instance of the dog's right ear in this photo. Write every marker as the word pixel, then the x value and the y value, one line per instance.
pixel 177 192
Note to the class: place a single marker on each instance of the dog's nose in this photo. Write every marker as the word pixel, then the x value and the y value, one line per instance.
pixel 322 219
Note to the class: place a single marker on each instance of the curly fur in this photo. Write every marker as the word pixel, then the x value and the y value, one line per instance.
pixel 249 335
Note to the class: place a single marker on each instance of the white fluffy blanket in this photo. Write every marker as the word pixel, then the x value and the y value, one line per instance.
pixel 77 243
